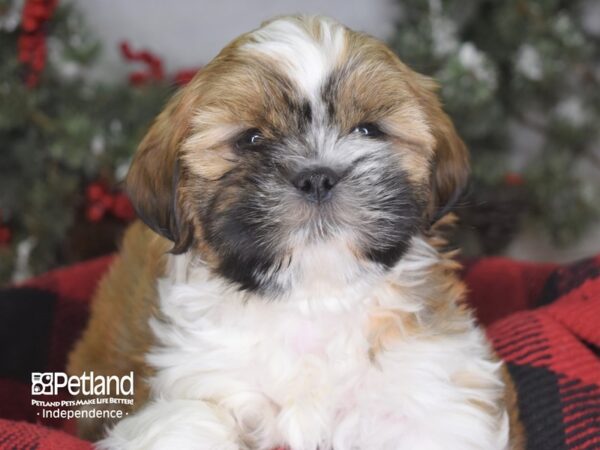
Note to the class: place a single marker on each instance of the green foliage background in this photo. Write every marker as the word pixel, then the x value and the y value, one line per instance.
pixel 63 134
pixel 513 64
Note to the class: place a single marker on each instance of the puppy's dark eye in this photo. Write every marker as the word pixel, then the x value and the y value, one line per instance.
pixel 368 130
pixel 250 138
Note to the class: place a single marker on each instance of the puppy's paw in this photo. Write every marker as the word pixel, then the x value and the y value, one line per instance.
pixel 177 424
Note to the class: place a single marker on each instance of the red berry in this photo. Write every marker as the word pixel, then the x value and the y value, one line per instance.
pixel 5 235
pixel 513 179
pixel 94 192
pixel 95 212
pixel 122 208
pixel 184 76
pixel 107 201
pixel 138 78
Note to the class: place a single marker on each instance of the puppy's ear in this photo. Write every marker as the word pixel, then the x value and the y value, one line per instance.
pixel 450 164
pixel 153 178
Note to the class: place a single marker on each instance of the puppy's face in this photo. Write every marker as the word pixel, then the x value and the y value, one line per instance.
pixel 303 153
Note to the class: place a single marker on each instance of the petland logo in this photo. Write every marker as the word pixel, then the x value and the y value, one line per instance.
pixel 49 383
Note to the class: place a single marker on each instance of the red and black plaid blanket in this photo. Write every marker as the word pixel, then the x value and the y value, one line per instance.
pixel 543 320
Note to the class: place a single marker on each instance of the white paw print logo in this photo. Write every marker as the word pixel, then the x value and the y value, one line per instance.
pixel 41 383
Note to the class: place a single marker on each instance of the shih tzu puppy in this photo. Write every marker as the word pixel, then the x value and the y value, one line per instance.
pixel 288 287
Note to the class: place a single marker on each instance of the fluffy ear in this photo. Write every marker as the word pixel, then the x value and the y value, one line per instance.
pixel 450 166
pixel 451 157
pixel 153 178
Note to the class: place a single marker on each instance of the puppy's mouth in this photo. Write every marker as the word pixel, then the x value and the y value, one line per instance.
pixel 364 213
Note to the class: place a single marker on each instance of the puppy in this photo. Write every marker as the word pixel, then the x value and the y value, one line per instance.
pixel 287 288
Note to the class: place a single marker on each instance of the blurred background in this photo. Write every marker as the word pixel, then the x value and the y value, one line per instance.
pixel 81 80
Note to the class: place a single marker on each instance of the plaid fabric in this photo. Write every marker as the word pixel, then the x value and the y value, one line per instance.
pixel 27 436
pixel 553 354
pixel 544 321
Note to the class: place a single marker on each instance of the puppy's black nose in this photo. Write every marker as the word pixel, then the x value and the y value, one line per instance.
pixel 316 183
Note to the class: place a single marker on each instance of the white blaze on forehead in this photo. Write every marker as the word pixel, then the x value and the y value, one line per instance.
pixel 306 58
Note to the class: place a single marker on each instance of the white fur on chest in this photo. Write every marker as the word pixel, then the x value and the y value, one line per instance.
pixel 300 375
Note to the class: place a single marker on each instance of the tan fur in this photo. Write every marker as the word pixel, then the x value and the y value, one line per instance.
pixel 518 438
pixel 445 311
pixel 189 146
pixel 388 328
pixel 118 336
